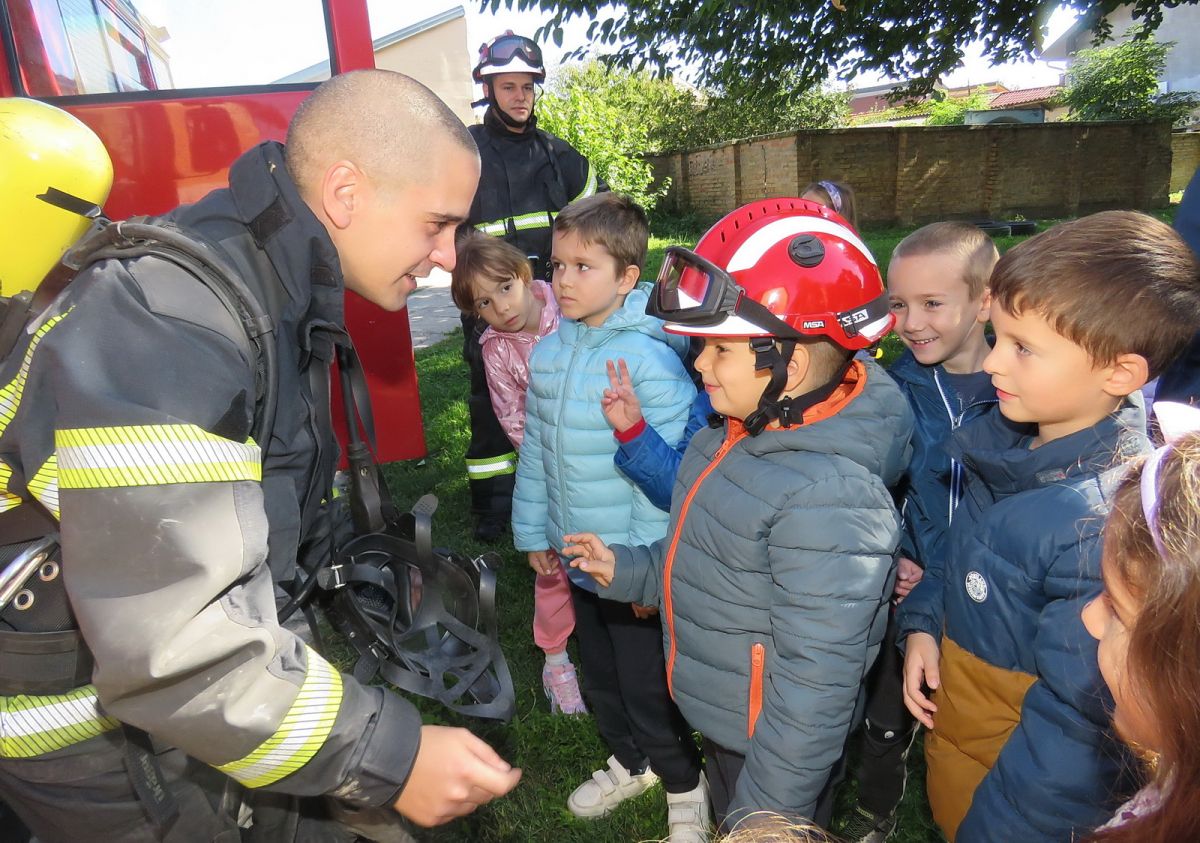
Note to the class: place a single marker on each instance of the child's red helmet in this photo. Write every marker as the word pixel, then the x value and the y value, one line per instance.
pixel 786 268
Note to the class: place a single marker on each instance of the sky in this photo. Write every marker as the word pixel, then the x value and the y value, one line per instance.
pixel 273 38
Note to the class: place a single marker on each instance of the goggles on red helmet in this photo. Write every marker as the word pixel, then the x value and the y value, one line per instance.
pixel 702 298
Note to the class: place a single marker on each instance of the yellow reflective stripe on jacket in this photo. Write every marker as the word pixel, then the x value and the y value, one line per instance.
pixel 589 187
pixel 36 725
pixel 151 455
pixel 11 392
pixel 300 735
pixel 480 469
pixel 7 499
pixel 44 485
pixel 524 222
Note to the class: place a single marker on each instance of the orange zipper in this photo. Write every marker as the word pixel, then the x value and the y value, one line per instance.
pixel 758 660
pixel 735 435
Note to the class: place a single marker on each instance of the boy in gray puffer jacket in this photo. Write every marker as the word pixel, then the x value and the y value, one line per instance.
pixel 777 567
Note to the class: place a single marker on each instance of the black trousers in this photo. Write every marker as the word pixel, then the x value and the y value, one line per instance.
pixel 888 731
pixel 85 792
pixel 723 767
pixel 625 683
pixel 491 489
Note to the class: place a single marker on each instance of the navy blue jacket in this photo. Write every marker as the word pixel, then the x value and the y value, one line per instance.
pixel 1023 560
pixel 932 486
pixel 1181 380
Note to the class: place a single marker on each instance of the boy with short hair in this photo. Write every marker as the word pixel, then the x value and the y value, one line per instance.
pixel 492 280
pixel 937 283
pixel 1084 314
pixel 775 576
pixel 566 481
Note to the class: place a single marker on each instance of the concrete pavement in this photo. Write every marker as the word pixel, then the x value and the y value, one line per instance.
pixel 431 314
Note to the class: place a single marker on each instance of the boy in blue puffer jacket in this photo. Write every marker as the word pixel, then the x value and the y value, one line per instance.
pixel 775 575
pixel 566 481
pixel 1020 746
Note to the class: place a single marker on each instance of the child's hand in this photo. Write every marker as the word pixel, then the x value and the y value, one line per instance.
pixel 908 574
pixel 620 403
pixel 921 658
pixel 543 562
pixel 591 555
pixel 642 612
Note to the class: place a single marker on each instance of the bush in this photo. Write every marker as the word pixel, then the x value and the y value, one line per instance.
pixel 1120 82
pixel 602 115
pixel 615 117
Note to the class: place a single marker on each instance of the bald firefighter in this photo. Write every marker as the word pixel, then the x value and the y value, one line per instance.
pixel 183 711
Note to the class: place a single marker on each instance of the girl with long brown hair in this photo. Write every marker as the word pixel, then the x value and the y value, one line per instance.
pixel 1148 624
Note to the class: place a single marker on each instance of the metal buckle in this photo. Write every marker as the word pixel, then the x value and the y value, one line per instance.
pixel 331 578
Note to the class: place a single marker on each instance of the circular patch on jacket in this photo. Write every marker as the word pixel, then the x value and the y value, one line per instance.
pixel 976 586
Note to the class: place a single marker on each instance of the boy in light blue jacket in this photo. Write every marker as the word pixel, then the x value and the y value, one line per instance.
pixel 567 483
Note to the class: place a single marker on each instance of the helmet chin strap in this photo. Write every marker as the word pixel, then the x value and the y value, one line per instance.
pixel 775 354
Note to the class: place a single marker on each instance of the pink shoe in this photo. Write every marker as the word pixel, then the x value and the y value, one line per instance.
pixel 562 689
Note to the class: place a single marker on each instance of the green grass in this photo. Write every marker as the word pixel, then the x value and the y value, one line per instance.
pixel 557 753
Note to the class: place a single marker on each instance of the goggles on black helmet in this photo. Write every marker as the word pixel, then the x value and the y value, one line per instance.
pixel 507 47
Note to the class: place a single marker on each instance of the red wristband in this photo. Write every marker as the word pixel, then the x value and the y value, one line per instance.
pixel 632 433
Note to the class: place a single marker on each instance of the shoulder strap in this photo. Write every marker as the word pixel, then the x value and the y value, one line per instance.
pixel 556 186
pixel 142 236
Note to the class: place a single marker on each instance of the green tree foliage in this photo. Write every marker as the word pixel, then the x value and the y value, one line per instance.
pixel 762 40
pixel 1120 82
pixel 744 109
pixel 616 116
pixel 663 108
pixel 952 111
pixel 676 116
pixel 601 128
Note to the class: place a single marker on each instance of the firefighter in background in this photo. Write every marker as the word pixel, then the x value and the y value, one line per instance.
pixel 527 177
pixel 125 417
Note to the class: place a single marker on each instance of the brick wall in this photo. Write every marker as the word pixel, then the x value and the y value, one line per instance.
pixel 913 174
pixel 1185 158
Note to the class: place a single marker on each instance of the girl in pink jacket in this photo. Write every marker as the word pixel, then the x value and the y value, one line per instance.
pixel 494 281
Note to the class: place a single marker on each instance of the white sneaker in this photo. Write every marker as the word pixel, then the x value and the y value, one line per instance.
pixel 688 815
pixel 607 789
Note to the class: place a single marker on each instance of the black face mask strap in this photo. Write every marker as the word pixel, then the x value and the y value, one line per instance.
pixel 774 354
pixel 790 411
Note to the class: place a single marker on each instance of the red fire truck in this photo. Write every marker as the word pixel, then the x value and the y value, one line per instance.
pixel 177 90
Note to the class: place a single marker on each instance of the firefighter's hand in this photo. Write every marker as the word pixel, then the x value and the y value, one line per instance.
pixel 620 403
pixel 591 556
pixel 921 660
pixel 908 574
pixel 543 562
pixel 454 773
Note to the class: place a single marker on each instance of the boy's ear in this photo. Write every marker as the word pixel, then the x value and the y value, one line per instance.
pixel 628 279
pixel 1127 374
pixel 797 368
pixel 985 306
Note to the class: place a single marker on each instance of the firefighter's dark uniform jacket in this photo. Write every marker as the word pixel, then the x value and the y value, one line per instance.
pixel 128 417
pixel 526 178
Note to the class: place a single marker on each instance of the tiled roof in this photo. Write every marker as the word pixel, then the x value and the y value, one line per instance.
pixel 1025 96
